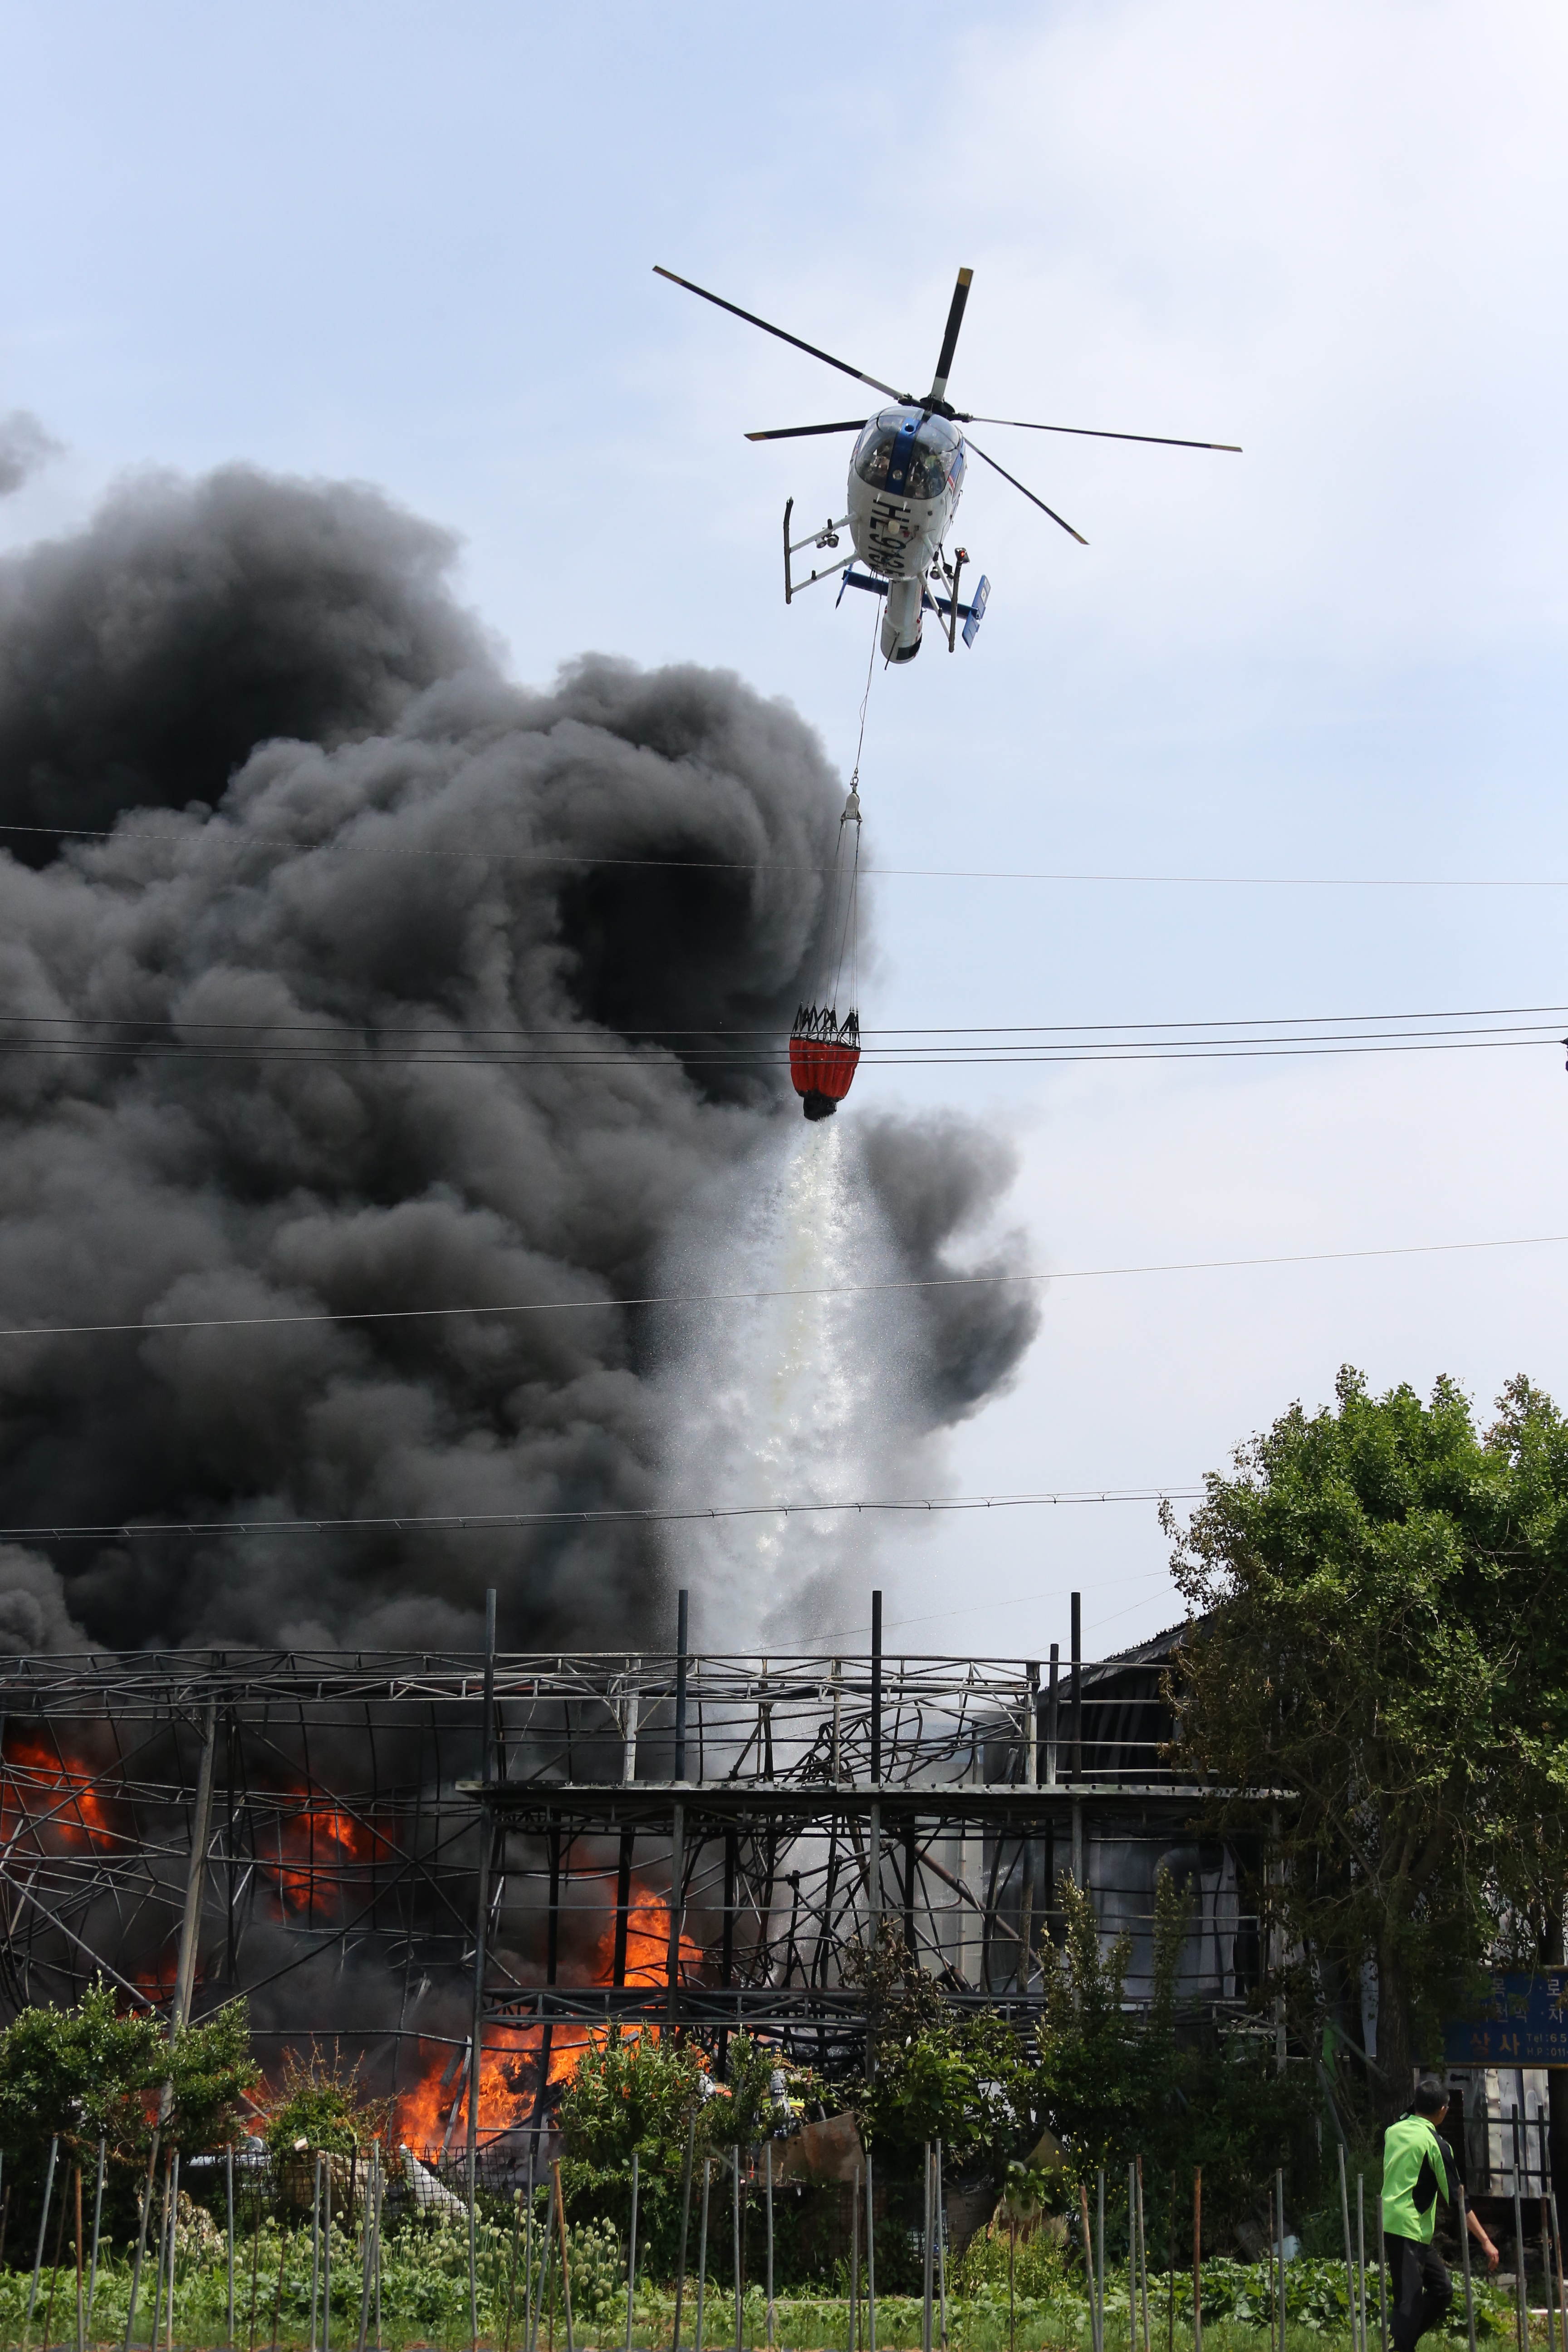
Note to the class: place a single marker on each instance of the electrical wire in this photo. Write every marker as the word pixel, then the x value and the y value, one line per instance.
pixel 484 1522
pixel 729 1297
pixel 492 853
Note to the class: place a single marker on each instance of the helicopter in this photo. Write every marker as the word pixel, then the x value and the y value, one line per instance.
pixel 905 477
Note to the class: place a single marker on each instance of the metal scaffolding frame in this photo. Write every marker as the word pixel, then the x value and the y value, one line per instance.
pixel 501 1854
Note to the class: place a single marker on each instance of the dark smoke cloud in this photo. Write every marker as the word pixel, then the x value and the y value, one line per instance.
pixel 231 1087
pixel 25 446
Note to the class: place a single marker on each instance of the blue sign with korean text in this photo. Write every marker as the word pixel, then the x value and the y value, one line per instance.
pixel 1523 2021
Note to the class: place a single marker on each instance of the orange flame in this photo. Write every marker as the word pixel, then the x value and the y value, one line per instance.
pixel 48 1795
pixel 434 2112
pixel 314 1841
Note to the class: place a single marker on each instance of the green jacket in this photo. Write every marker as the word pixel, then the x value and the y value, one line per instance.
pixel 1417 2168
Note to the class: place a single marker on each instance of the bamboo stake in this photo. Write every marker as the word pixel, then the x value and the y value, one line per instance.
pixel 327 2251
pixel 1088 2260
pixel 81 2332
pixel 1132 2259
pixel 1360 2255
pixel 736 2238
pixel 1099 2254
pixel 1382 2282
pixel 1279 2184
pixel 173 2244
pixel 1171 2265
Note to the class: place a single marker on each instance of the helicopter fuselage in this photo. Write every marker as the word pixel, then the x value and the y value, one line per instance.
pixel 905 481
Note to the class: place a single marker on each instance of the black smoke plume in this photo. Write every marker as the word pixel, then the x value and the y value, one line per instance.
pixel 367 1002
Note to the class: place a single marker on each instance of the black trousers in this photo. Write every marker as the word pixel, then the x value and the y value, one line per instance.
pixel 1422 2289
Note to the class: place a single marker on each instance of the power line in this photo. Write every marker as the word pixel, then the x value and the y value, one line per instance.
pixel 493 853
pixel 730 1297
pixel 484 1522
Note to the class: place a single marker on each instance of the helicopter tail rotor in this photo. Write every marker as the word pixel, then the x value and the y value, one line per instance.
pixel 949 338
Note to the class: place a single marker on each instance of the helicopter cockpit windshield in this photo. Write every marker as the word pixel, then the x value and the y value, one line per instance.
pixel 921 468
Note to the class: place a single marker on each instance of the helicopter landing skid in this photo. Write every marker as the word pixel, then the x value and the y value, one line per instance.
pixel 827 537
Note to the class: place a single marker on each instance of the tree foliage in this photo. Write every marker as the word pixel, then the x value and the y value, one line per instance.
pixel 1382 1641
pixel 96 2072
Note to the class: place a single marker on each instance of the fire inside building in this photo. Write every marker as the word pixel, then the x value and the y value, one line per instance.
pixel 459 1871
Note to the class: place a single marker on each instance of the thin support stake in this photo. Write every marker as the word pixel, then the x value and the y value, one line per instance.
pixel 1349 2258
pixel 927 2280
pixel 173 2242
pixel 43 2225
pixel 735 2240
pixel 632 2256
pixel 1521 2315
pixel 702 2256
pixel 1382 2283
pixel 1360 2256
pixel 942 2247
pixel 565 2255
pixel 315 2247
pixel 685 2224
pixel 1099 2252
pixel 870 2259
pixel 1464 2220
pixel 1198 2259
pixel 770 2281
pixel 1142 2253
pixel 854 2261
pixel 96 2220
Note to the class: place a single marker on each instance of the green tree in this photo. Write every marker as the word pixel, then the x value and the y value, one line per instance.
pixel 1108 2069
pixel 1381 1638
pixel 933 2073
pixel 96 2072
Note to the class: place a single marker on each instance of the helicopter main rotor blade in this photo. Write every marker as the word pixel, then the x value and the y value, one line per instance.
pixel 800 432
pixel 1017 485
pixel 950 336
pixel 810 349
pixel 1091 433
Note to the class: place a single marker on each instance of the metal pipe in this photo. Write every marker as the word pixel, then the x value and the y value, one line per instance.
pixel 770 2209
pixel 1099 2254
pixel 677 1910
pixel 326 2254
pixel 315 2245
pixel 1280 2189
pixel 876 1690
pixel 1132 2259
pixel 1076 1686
pixel 1360 2255
pixel 632 2254
pixel 1557 2244
pixel 1382 2283
pixel 682 1621
pixel 1053 1705
pixel 1032 1745
pixel 482 1924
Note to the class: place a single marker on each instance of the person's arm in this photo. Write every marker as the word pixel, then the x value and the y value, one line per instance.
pixel 1473 2221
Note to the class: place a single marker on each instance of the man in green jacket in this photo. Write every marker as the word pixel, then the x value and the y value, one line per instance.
pixel 1417 2168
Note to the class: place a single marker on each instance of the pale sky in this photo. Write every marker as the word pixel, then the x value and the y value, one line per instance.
pixel 414 247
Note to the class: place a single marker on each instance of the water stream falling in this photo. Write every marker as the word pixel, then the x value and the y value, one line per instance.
pixel 804 1397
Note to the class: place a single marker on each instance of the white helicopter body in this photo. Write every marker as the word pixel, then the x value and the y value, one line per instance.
pixel 906 479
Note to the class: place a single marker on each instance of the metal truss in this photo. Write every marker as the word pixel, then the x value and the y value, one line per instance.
pixel 429 1856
